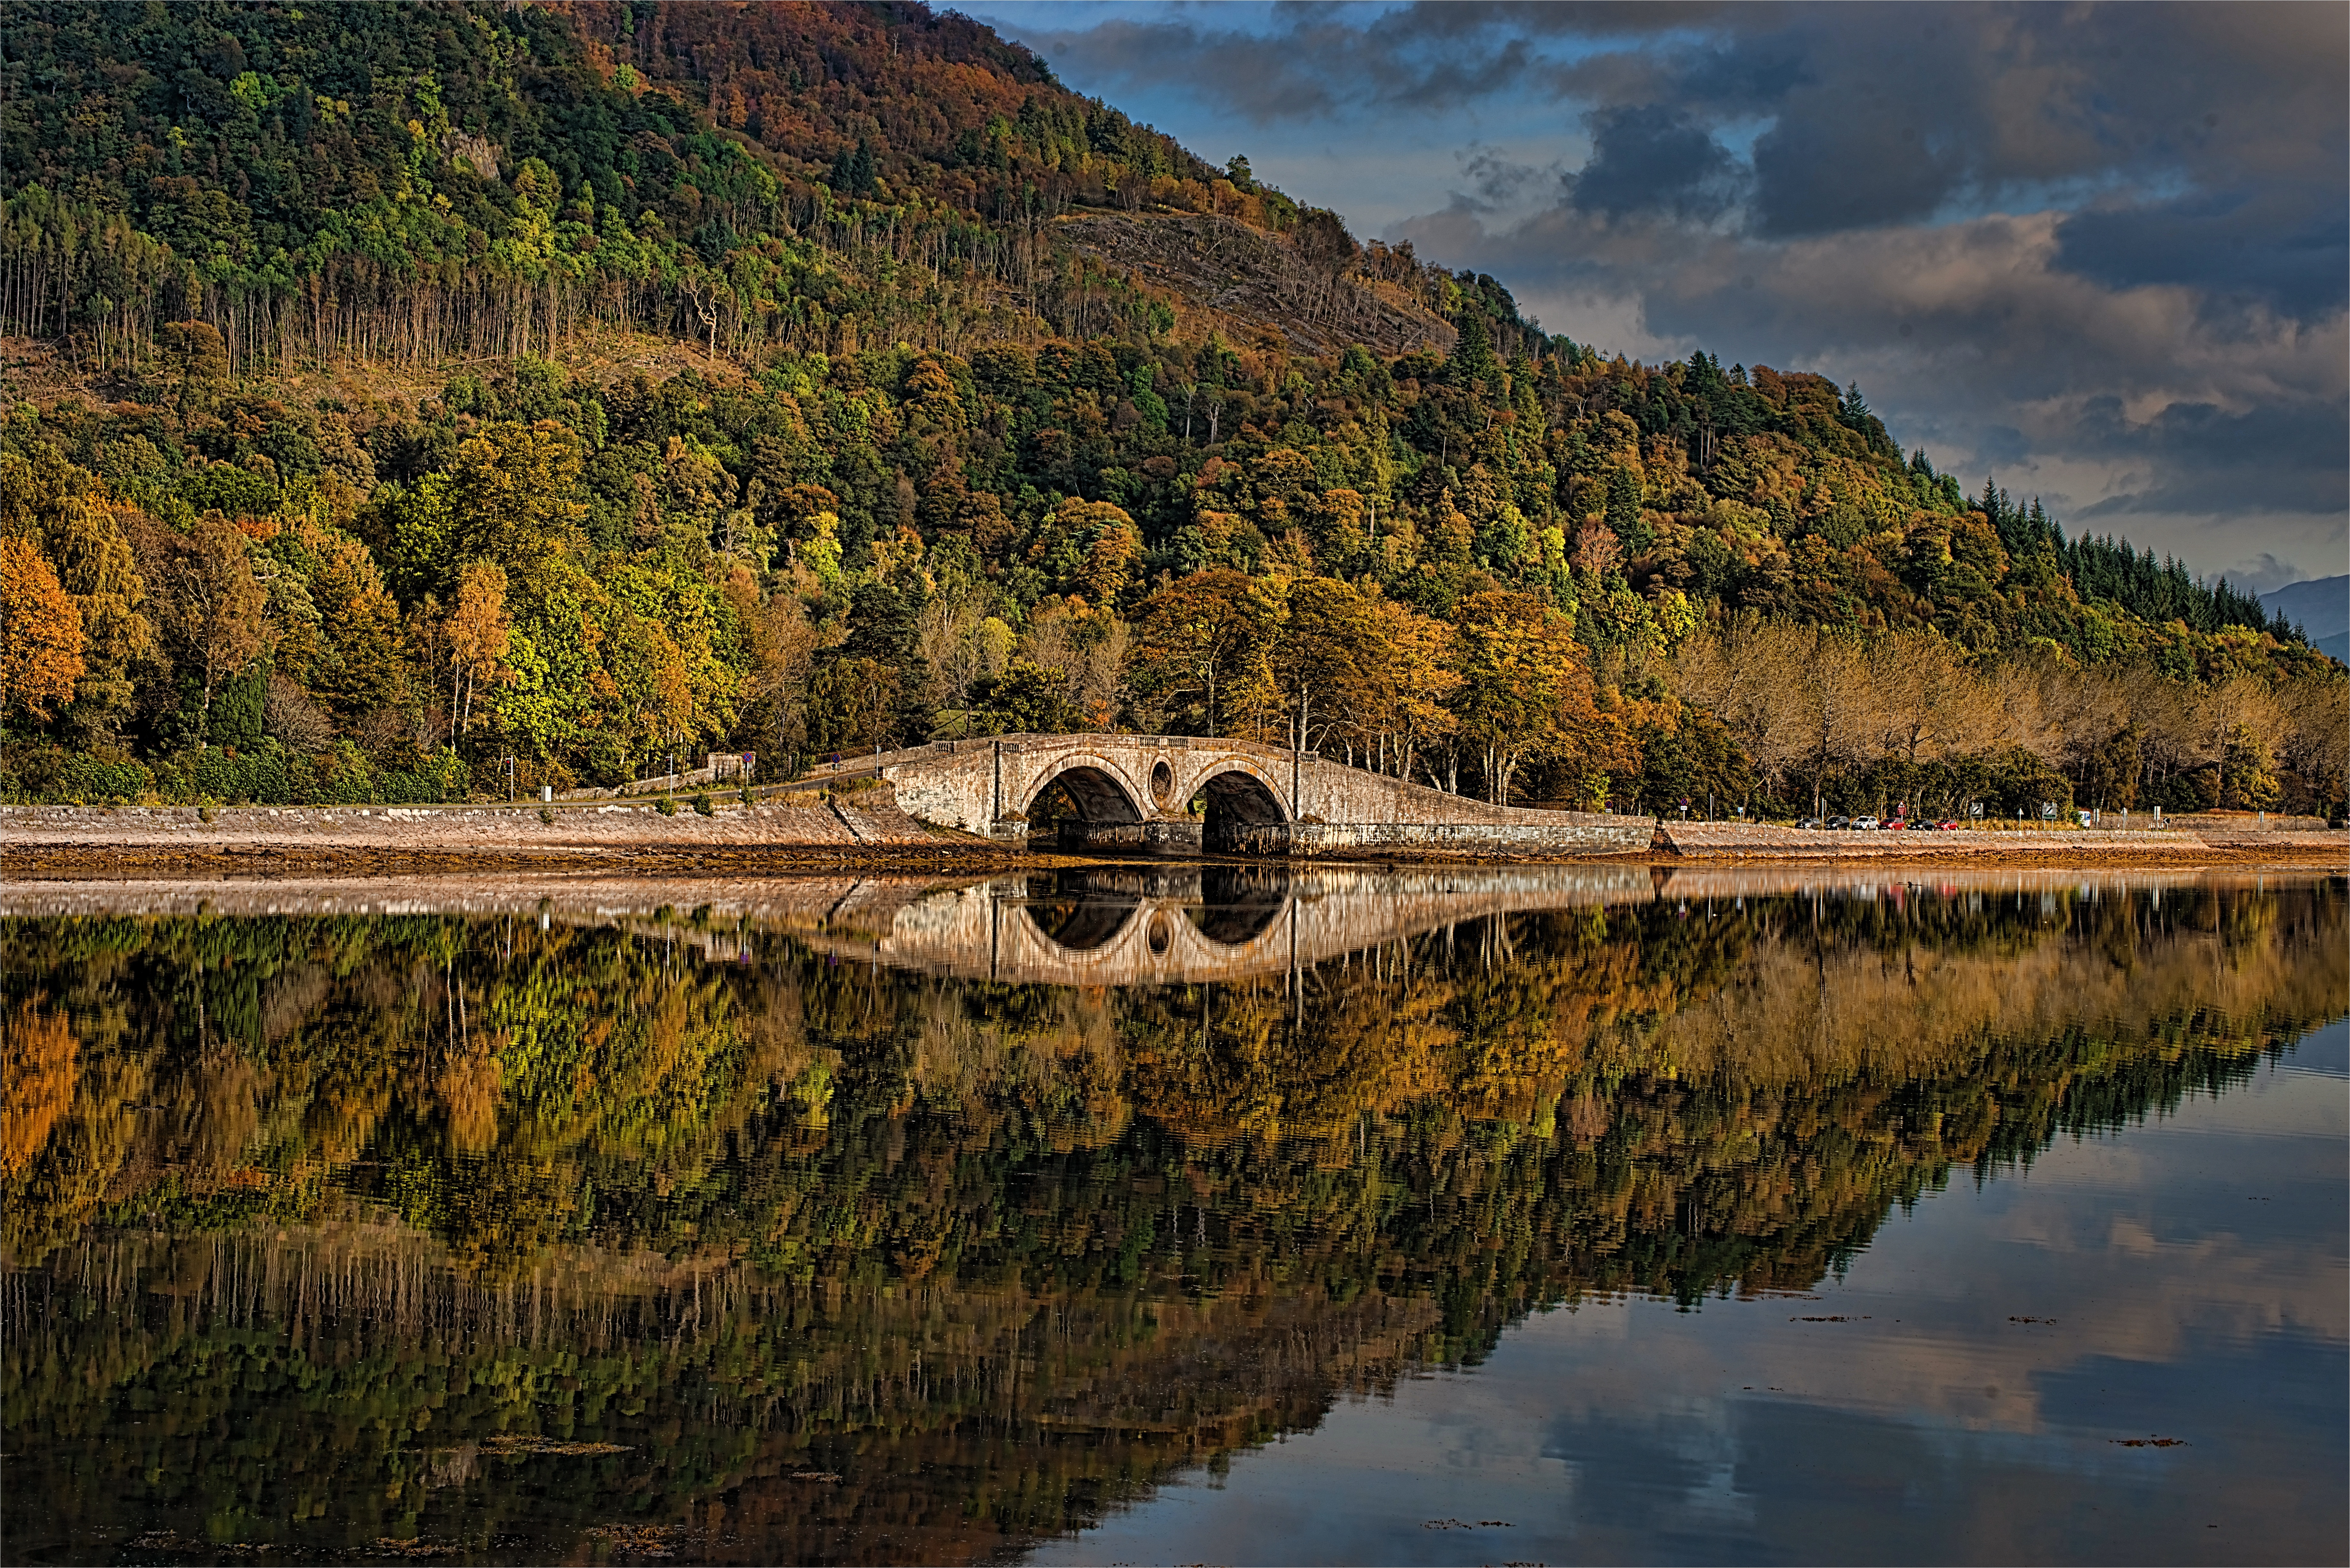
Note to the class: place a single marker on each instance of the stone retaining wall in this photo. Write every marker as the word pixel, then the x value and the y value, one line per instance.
pixel 2234 822
pixel 1729 838
pixel 1561 833
pixel 868 815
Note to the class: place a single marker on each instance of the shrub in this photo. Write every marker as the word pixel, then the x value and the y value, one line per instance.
pixel 57 776
pixel 434 780
pixel 666 806
pixel 701 805
pixel 546 815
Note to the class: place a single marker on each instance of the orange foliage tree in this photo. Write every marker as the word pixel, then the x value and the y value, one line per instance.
pixel 40 632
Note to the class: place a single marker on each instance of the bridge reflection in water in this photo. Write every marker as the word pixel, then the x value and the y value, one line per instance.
pixel 1178 925
pixel 1160 925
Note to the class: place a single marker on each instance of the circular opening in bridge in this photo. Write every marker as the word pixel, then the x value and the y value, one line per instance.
pixel 1163 782
pixel 1233 804
pixel 1161 936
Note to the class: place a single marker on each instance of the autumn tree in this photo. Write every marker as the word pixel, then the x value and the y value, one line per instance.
pixel 40 632
pixel 1526 691
pixel 479 636
pixel 1829 701
pixel 1322 659
pixel 1927 701
pixel 95 565
pixel 1418 679
pixel 359 671
pixel 213 605
pixel 1088 547
pixel 511 490
pixel 2316 745
pixel 650 685
pixel 854 706
pixel 1199 644
pixel 781 643
pixel 961 644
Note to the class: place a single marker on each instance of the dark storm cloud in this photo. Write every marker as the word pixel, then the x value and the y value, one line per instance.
pixel 1314 62
pixel 1814 175
pixel 1653 159
pixel 2288 247
pixel 2195 458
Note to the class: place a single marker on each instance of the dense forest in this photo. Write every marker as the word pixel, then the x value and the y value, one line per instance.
pixel 402 389
pixel 431 1195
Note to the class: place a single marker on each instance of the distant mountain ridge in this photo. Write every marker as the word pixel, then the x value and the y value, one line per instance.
pixel 2321 608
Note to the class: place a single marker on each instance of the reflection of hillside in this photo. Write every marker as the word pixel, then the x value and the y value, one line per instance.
pixel 702 1190
pixel 789 1424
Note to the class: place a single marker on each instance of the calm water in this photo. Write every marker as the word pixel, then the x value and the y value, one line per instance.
pixel 1143 1215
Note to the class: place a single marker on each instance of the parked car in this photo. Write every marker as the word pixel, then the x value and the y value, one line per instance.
pixel 1899 825
pixel 1948 826
pixel 1864 825
pixel 1809 821
pixel 1839 822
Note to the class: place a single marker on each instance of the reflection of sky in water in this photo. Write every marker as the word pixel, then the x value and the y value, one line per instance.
pixel 2192 1280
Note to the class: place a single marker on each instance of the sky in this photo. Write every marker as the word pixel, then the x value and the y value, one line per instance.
pixel 2100 253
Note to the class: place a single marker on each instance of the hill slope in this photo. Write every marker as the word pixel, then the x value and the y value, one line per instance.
pixel 998 411
pixel 2321 609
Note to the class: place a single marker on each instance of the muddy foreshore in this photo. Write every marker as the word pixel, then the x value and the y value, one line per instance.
pixel 868 833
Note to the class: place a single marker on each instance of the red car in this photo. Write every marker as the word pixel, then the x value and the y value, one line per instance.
pixel 1946 827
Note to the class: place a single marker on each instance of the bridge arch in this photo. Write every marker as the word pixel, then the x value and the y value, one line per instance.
pixel 1098 787
pixel 1242 797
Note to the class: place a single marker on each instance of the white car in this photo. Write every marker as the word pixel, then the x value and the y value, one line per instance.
pixel 1866 824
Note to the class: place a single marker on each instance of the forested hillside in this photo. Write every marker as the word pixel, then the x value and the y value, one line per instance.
pixel 399 388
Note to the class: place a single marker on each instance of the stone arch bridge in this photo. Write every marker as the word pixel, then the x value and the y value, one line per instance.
pixel 1134 792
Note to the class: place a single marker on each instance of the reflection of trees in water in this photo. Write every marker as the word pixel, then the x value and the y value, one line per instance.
pixel 355 1342
pixel 609 1082
pixel 796 1214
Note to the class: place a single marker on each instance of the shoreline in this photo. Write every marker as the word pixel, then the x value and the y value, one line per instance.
pixel 845 834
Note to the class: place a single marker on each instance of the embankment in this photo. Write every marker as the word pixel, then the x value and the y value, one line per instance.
pixel 861 828
pixel 2217 844
pixel 801 828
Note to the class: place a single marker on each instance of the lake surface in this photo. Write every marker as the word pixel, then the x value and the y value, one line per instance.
pixel 1146 1215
